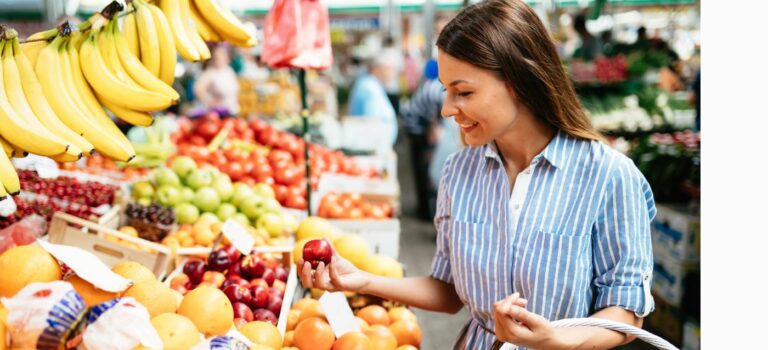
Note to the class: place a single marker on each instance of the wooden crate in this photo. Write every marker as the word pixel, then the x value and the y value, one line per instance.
pixel 73 231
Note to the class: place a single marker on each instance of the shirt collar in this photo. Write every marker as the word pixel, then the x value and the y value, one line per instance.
pixel 553 153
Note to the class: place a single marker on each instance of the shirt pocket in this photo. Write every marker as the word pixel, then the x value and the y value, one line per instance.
pixel 553 271
pixel 473 250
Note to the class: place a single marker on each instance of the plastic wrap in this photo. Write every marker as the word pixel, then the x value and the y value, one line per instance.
pixel 119 324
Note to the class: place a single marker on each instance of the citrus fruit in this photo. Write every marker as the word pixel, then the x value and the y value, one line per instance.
pixel 293 319
pixel 155 296
pixel 353 248
pixel 401 313
pixel 381 337
pixel 407 332
pixel 176 331
pixel 133 271
pixel 313 334
pixel 209 309
pixel 90 293
pixel 314 227
pixel 353 341
pixel 363 325
pixel 28 264
pixel 263 333
pixel 374 314
pixel 288 339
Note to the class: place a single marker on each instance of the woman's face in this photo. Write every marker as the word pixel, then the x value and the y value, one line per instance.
pixel 481 103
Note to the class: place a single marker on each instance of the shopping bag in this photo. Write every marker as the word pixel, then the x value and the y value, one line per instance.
pixel 297 35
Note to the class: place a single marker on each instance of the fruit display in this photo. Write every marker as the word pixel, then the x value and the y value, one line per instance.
pixel 153 222
pixel 380 328
pixel 45 207
pixel 352 206
pixel 155 147
pixel 253 285
pixel 70 189
pixel 103 166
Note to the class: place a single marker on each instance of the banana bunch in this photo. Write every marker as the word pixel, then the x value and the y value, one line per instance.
pixel 189 43
pixel 149 36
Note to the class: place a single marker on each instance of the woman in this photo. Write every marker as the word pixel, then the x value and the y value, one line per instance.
pixel 218 87
pixel 537 219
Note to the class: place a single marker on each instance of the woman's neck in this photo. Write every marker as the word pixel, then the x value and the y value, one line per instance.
pixel 526 139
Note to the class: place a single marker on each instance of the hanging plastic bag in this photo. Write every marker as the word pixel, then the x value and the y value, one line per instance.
pixel 297 35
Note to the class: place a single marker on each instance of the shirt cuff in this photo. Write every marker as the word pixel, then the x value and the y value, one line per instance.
pixel 441 269
pixel 637 299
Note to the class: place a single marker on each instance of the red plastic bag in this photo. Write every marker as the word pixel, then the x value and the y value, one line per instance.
pixel 24 232
pixel 297 35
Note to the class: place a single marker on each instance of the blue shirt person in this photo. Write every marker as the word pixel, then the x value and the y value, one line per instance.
pixel 368 98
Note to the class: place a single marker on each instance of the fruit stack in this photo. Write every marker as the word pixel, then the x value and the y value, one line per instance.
pixel 396 328
pixel 353 206
pixel 254 284
pixel 69 189
pixel 152 222
pixel 45 207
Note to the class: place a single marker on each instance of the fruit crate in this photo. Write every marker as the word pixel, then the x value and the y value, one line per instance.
pixel 73 231
pixel 108 217
pixel 291 285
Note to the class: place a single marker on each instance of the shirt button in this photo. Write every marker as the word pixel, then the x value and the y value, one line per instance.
pixel 517 206
pixel 528 172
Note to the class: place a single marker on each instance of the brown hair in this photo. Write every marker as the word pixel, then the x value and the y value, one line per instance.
pixel 507 37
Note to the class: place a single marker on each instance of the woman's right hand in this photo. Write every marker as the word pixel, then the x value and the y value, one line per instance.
pixel 339 275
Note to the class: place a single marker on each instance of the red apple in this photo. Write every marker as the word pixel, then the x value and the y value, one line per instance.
pixel 194 268
pixel 269 276
pixel 219 260
pixel 213 278
pixel 316 251
pixel 235 280
pixel 237 294
pixel 281 274
pixel 179 280
pixel 280 286
pixel 275 303
pixel 234 254
pixel 252 267
pixel 259 297
pixel 265 315
pixel 242 311
pixel 234 269
pixel 259 282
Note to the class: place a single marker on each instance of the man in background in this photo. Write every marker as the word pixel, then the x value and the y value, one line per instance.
pixel 368 97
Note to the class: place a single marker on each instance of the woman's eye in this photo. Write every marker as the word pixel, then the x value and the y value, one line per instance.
pixel 464 94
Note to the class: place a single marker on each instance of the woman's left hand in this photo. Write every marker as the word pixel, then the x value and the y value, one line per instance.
pixel 514 324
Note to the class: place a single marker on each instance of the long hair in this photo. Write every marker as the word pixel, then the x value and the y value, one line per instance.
pixel 507 37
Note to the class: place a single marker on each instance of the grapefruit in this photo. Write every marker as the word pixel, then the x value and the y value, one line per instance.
pixel 155 296
pixel 263 333
pixel 3 319
pixel 353 248
pixel 133 271
pixel 293 319
pixel 311 310
pixel 363 324
pixel 401 313
pixel 374 314
pixel 382 265
pixel 353 341
pixel 90 293
pixel 407 347
pixel 381 337
pixel 288 340
pixel 313 334
pixel 407 332
pixel 26 264
pixel 209 309
pixel 314 227
pixel 176 331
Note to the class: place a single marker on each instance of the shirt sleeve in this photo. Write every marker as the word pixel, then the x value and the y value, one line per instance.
pixel 621 243
pixel 441 264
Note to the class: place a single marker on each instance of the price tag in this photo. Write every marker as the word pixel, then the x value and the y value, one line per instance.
pixel 338 313
pixel 87 266
pixel 240 238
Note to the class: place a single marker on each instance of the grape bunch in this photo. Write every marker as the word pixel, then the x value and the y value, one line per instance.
pixel 153 222
pixel 90 193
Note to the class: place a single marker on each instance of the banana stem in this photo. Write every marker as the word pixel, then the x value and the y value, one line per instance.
pixel 107 12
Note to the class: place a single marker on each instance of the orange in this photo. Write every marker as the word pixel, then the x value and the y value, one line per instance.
pixel 363 325
pixel 288 339
pixel 401 313
pixel 293 319
pixel 407 347
pixel 311 310
pixel 209 309
pixel 3 318
pixel 176 331
pixel 407 332
pixel 381 337
pixel 133 271
pixel 23 265
pixel 374 314
pixel 263 333
pixel 304 303
pixel 353 341
pixel 155 296
pixel 313 334
pixel 90 293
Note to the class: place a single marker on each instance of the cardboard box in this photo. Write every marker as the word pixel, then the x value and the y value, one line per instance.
pixel 382 235
pixel 676 281
pixel 676 233
pixel 73 231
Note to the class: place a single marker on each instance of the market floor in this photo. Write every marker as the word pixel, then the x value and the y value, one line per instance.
pixel 417 247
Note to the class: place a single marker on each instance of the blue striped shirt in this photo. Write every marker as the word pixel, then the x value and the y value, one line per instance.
pixel 581 243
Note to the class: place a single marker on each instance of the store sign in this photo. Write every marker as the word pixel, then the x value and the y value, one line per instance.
pixel 355 24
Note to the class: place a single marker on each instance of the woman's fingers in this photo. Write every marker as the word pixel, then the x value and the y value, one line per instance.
pixel 306 274
pixel 322 279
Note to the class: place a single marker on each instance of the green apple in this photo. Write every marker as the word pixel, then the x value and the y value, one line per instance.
pixel 199 178
pixel 264 190
pixel 187 195
pixel 142 189
pixel 241 219
pixel 223 187
pixel 183 166
pixel 241 193
pixel 165 176
pixel 272 223
pixel 209 217
pixel 186 213
pixel 226 211
pixel 253 207
pixel 206 199
pixel 289 221
pixel 168 195
pixel 272 205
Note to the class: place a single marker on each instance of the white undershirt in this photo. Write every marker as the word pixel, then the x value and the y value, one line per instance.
pixel 519 192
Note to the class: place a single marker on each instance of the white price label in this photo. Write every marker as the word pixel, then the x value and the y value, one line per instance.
pixel 87 266
pixel 338 313
pixel 240 238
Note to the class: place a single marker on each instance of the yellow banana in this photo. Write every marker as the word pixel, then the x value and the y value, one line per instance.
pixel 67 157
pixel 52 72
pixel 223 20
pixel 167 46
pixel 148 41
pixel 7 148
pixel 111 87
pixel 17 122
pixel 3 192
pixel 203 28
pixel 184 44
pixel 128 115
pixel 120 147
pixel 32 48
pixel 40 106
pixel 186 15
pixel 8 175
pixel 131 33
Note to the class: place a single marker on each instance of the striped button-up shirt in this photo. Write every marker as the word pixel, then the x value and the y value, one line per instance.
pixel 579 242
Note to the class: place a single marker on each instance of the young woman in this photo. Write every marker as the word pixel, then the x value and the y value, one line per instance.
pixel 537 219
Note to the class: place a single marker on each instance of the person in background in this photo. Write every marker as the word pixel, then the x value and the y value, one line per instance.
pixel 392 87
pixel 419 115
pixel 591 47
pixel 252 67
pixel 218 88
pixel 368 97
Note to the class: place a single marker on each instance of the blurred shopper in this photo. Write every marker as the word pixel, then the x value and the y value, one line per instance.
pixel 368 97
pixel 392 87
pixel 537 218
pixel 591 47
pixel 218 88
pixel 253 69
pixel 420 114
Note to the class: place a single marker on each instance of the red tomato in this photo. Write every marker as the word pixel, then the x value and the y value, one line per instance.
pixel 197 140
pixel 234 170
pixel 279 156
pixel 261 170
pixel 248 181
pixel 336 212
pixel 356 214
pixel 269 180
pixel 356 198
pixel 377 213
pixel 281 192
pixel 297 202
pixel 207 129
pixel 258 125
